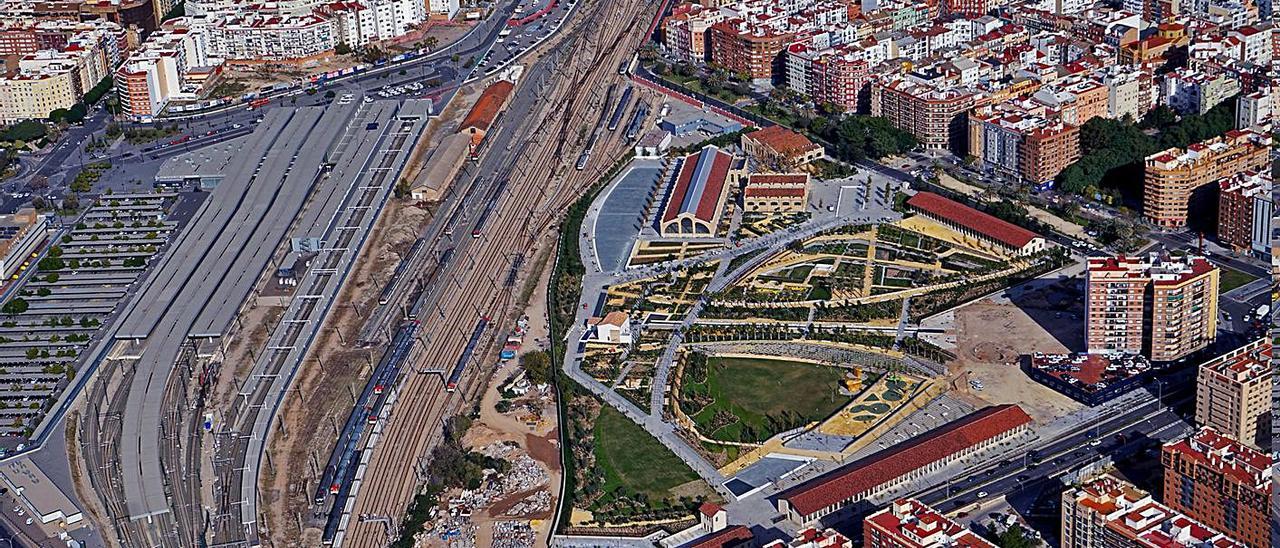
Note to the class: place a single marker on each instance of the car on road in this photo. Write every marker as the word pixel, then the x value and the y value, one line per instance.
pixel 1095 443
pixel 982 494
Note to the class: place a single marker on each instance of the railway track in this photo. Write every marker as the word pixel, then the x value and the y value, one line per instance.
pixel 542 186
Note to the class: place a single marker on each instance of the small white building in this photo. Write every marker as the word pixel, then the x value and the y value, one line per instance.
pixel 653 144
pixel 613 329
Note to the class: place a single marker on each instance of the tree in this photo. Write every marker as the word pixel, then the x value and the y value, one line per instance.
pixel 342 49
pixel 329 94
pixel 16 305
pixel 432 42
pixel 24 131
pixel 1015 537
pixel 537 365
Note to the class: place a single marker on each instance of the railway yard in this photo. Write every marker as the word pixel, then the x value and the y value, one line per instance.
pixel 187 430
pixel 502 199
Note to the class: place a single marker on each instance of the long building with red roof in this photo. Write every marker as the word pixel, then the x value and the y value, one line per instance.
pixel 698 193
pixel 1003 235
pixel 485 112
pixel 913 459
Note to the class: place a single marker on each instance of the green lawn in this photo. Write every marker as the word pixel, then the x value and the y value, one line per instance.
pixel 634 460
pixel 1229 278
pixel 754 389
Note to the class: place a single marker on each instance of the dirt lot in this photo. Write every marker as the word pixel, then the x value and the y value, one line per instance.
pixel 989 338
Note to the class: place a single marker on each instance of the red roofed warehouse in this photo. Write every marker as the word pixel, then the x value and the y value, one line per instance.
pixel 484 112
pixel 776 193
pixel 910 460
pixel 696 202
pixel 780 149
pixel 1006 237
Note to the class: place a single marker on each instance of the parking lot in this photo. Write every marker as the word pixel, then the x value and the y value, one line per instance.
pixel 69 297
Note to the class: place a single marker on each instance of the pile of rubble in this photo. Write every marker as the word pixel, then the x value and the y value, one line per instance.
pixel 524 475
pixel 513 534
pixel 536 503
pixel 454 529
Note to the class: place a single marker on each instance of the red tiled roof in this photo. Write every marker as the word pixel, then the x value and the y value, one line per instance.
pixel 778 179
pixel 734 535
pixel 707 201
pixel 754 191
pixel 709 508
pixel 782 140
pixel 485 111
pixel 1001 231
pixel 884 466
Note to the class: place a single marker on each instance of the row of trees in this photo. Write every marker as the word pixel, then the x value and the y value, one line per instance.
pixel 1113 150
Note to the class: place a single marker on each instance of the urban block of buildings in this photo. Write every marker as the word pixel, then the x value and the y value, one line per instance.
pixel 57 63
pixel 1109 511
pixel 1221 482
pixel 1246 206
pixel 909 523
pixel 1181 184
pixel 1160 306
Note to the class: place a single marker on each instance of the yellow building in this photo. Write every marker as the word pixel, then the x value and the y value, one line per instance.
pixel 776 193
pixel 34 96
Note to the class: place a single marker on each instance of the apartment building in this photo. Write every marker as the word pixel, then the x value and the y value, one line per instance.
pixel 1108 512
pixel 687 31
pixel 160 70
pixel 72 59
pixel 748 49
pixel 909 523
pixel 1255 109
pixel 1233 394
pixel 1190 91
pixel 1245 207
pixel 264 37
pixel 1024 146
pixel 1220 482
pixel 1160 306
pixel 1182 183
pixel 836 76
pixel 33 95
pixel 1129 92
pixel 936 116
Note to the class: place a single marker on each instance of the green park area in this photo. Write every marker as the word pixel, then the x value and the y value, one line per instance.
pixel 752 399
pixel 1230 278
pixel 633 460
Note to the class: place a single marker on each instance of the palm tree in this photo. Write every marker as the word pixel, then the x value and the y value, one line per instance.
pixel 432 42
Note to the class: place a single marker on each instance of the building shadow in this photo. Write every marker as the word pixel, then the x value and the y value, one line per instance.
pixel 1056 305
